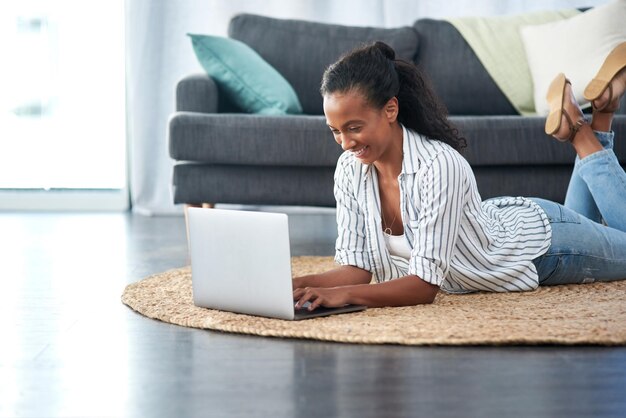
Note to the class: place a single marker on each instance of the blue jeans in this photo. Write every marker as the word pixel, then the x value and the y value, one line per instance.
pixel 583 250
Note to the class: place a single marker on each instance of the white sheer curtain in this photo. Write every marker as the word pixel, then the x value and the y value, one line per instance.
pixel 158 54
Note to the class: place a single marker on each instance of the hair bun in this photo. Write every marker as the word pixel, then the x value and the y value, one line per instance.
pixel 386 50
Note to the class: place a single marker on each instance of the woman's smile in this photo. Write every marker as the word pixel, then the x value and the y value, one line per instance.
pixel 360 152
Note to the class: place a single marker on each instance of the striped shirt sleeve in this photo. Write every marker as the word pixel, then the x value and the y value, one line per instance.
pixel 441 194
pixel 350 247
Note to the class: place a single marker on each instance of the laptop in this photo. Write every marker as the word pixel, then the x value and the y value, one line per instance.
pixel 241 262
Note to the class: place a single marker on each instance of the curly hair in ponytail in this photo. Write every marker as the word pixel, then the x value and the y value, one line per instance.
pixel 374 71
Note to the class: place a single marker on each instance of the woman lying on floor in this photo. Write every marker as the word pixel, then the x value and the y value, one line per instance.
pixel 408 208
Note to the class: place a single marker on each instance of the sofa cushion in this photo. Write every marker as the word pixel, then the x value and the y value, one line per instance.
pixel 304 140
pixel 546 60
pixel 457 75
pixel 244 139
pixel 301 50
pixel 510 141
pixel 246 78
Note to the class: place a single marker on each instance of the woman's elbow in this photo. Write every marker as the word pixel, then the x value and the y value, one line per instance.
pixel 430 298
pixel 427 293
pixel 424 299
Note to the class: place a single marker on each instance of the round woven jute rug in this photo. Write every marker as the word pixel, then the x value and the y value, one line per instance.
pixel 570 314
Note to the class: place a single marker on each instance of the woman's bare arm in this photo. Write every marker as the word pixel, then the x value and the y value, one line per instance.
pixel 404 291
pixel 340 276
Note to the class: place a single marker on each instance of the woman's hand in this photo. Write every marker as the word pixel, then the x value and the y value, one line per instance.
pixel 403 291
pixel 350 285
pixel 333 297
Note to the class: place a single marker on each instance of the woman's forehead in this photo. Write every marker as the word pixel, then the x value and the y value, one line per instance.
pixel 345 106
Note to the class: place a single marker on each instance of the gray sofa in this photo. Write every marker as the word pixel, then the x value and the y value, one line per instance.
pixel 225 156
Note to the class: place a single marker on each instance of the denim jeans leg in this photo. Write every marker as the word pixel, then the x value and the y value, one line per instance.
pixel 578 197
pixel 582 251
pixel 606 180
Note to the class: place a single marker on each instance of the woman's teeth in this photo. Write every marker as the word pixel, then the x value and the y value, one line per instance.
pixel 360 152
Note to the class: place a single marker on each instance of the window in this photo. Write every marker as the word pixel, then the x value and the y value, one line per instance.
pixel 62 107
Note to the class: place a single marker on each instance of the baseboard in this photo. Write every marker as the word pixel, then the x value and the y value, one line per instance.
pixel 100 200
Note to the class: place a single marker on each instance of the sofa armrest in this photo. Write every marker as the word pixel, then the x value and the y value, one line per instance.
pixel 197 93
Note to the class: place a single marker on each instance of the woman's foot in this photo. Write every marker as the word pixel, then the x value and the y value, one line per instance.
pixel 606 89
pixel 611 97
pixel 565 118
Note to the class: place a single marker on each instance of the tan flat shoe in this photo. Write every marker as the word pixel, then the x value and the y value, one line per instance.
pixel 556 101
pixel 613 64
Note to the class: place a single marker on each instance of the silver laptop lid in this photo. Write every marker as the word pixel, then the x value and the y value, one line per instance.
pixel 240 261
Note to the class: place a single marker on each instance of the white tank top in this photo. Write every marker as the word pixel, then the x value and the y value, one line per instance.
pixel 397 245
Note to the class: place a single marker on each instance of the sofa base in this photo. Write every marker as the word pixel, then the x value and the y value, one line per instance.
pixel 250 185
pixel 254 185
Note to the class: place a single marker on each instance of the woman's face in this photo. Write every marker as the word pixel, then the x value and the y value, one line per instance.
pixel 360 128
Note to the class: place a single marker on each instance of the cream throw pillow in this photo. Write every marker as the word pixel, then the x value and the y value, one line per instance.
pixel 576 46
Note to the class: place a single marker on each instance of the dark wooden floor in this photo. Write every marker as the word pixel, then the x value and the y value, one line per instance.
pixel 70 348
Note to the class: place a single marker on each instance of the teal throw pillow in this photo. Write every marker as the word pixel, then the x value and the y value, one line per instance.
pixel 251 83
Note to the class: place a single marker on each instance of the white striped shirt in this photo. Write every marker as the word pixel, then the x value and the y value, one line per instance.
pixel 458 242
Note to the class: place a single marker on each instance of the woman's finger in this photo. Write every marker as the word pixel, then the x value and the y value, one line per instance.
pixel 304 297
pixel 316 303
pixel 316 299
pixel 297 294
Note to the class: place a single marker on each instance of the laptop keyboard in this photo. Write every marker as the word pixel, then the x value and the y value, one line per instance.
pixel 304 312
